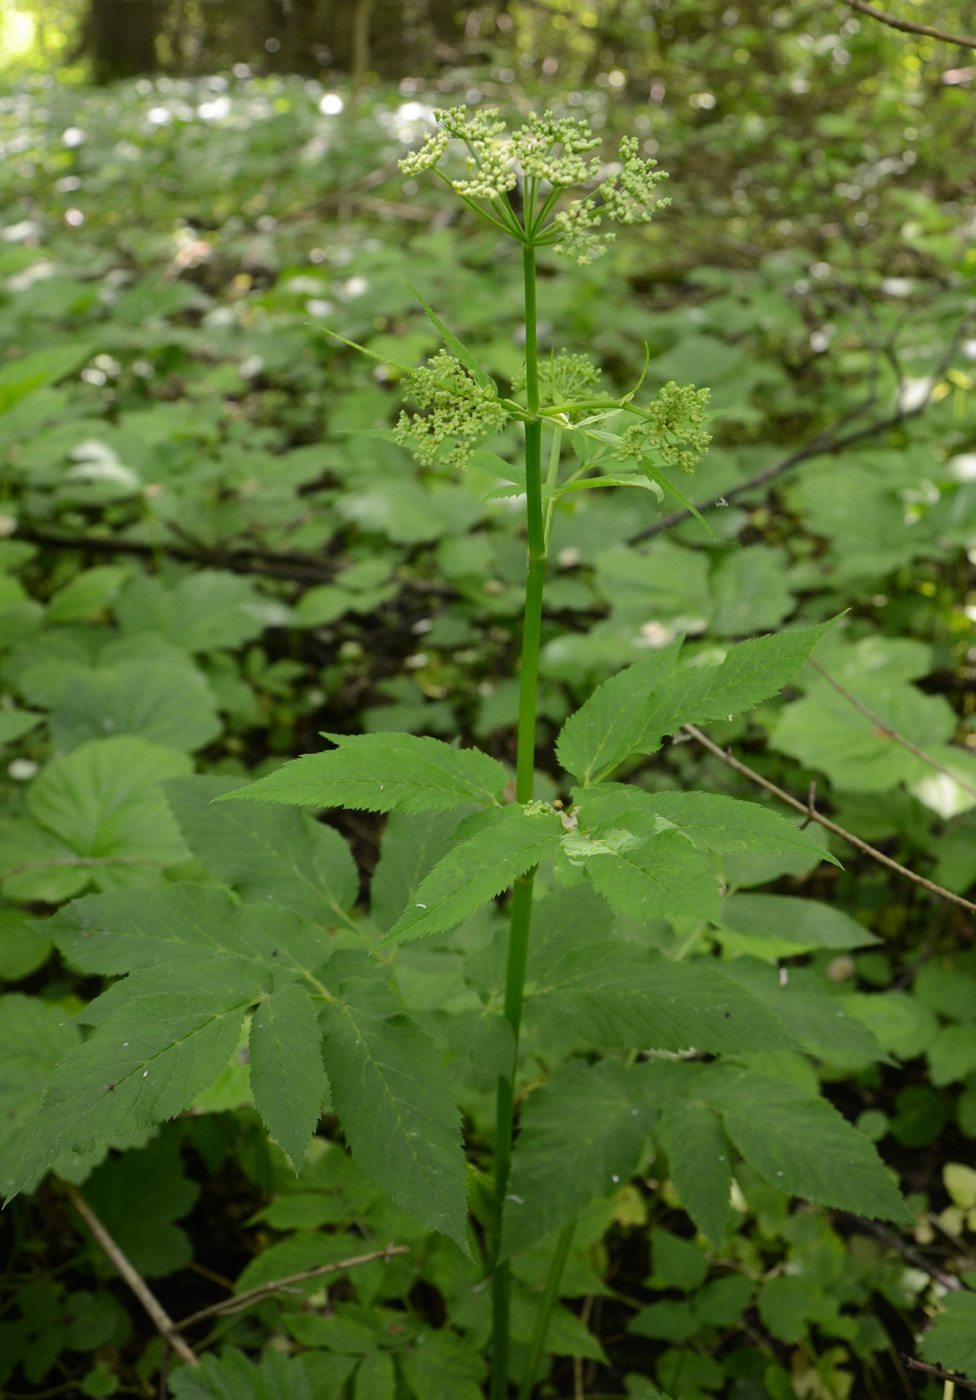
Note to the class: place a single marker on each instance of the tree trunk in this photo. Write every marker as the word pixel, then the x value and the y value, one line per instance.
pixel 120 38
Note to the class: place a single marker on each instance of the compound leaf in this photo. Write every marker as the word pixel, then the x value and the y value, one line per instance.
pixel 384 773
pixel 608 726
pixel 287 1079
pixel 275 857
pixel 802 1145
pixel 699 1159
pixel 617 993
pixel 644 867
pixel 711 821
pixel 395 1101
pixel 594 1117
pixel 504 845
pixel 146 1061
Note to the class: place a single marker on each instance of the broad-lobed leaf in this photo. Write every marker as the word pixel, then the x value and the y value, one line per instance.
pixel 504 845
pixel 101 802
pixel 594 1117
pixel 395 1100
pixel 384 773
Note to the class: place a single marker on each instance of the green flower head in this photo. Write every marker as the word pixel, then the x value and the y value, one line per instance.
pixel 549 155
pixel 457 413
pixel 672 429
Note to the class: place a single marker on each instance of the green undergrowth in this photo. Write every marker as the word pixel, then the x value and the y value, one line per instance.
pixel 214 551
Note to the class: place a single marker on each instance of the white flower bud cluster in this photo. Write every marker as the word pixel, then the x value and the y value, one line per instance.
pixel 457 414
pixel 428 155
pixel 535 145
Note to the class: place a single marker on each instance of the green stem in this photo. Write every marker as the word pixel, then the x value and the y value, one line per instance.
pixel 549 1297
pixel 521 915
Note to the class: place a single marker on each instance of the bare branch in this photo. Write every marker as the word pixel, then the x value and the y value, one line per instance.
pixel 948 1376
pixel 908 26
pixel 162 1321
pixel 887 730
pixel 829 440
pixel 265 1290
pixel 811 813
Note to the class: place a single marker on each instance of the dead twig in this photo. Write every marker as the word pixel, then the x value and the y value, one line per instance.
pixel 278 1285
pixel 811 813
pixel 949 1377
pixel 887 730
pixel 909 26
pixel 162 1321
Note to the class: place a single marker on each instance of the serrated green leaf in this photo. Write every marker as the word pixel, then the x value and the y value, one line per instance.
pixel 153 1176
pixel 777 926
pixel 287 1079
pixel 145 1062
pixel 802 1145
pixel 395 1101
pixel 643 867
pixel 951 1340
pixel 506 844
pixel 609 725
pixel 275 856
pixel 751 672
pixel 375 1377
pixel 700 1163
pixel 592 1116
pixel 231 1376
pixel 413 843
pixel 34 1035
pixel 384 773
pixel 711 821
pixel 185 924
pixel 617 993
pixel 442 1364
pixel 797 1143
pixel 821 1022
pixel 21 377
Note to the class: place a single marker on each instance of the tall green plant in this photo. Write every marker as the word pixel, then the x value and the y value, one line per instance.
pixel 326 1020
